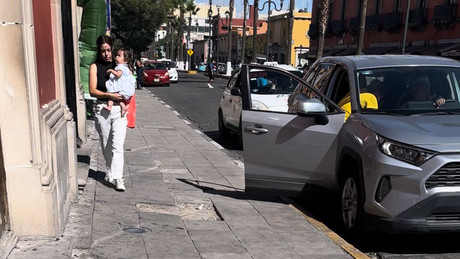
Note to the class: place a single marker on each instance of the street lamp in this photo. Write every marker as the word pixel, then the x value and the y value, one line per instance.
pixel 210 30
pixel 269 2
pixel 229 57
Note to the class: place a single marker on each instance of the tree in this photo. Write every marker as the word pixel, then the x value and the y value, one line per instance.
pixel 191 8
pixel 322 24
pixel 180 4
pixel 134 22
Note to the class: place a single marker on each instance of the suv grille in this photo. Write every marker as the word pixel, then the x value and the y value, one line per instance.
pixel 448 175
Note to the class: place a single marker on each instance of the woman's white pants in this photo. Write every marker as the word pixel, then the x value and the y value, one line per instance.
pixel 112 132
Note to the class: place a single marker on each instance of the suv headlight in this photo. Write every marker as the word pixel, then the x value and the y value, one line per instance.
pixel 408 154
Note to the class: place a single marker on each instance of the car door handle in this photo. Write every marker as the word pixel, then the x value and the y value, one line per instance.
pixel 255 129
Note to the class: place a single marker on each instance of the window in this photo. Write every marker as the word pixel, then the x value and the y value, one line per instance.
pixel 270 90
pixel 378 7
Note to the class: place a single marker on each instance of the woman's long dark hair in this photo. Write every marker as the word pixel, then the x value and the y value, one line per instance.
pixel 101 40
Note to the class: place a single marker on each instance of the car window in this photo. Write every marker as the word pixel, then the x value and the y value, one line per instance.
pixel 270 89
pixel 153 66
pixel 412 90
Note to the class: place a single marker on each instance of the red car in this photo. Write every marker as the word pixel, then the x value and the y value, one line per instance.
pixel 155 73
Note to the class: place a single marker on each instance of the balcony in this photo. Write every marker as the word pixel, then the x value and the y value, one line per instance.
pixel 338 27
pixel 374 22
pixel 392 22
pixel 313 32
pixel 444 16
pixel 417 19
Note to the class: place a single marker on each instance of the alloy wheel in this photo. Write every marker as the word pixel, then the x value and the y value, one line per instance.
pixel 349 203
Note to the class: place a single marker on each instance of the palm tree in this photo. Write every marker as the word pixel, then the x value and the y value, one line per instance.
pixel 180 4
pixel 191 8
pixel 322 24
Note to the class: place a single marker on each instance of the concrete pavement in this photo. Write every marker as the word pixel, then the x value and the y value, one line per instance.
pixel 184 198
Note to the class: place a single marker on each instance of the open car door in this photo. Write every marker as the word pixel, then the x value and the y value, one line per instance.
pixel 289 136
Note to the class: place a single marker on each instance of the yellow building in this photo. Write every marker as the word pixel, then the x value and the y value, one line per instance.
pixel 279 42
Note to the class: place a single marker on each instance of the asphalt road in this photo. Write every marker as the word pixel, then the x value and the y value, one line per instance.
pixel 197 103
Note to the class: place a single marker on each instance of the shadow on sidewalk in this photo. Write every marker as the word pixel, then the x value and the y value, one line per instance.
pixel 235 194
pixel 99 176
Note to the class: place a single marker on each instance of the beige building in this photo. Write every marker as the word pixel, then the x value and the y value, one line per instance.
pixel 39 81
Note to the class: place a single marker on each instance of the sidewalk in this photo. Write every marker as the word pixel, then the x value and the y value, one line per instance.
pixel 184 199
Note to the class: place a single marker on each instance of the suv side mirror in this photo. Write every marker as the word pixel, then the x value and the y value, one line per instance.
pixel 313 107
pixel 235 91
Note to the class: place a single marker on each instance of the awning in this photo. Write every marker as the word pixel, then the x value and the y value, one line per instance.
pixel 408 50
pixel 451 52
pixel 437 50
pixel 332 52
pixel 347 52
pixel 378 50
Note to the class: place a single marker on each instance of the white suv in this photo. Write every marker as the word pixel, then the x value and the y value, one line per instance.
pixel 172 70
pixel 270 92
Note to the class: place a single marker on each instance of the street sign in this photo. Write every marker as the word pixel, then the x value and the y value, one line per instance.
pixel 190 52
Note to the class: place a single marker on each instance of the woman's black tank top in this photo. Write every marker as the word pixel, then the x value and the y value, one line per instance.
pixel 102 75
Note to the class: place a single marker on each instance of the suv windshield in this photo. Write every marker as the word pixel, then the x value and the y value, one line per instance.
pixel 411 90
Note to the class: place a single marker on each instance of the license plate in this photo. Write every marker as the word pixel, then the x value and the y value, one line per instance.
pixel 156 80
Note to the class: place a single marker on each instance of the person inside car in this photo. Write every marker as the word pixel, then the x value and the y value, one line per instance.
pixel 419 90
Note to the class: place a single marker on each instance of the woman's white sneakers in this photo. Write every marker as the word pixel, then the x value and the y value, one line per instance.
pixel 120 185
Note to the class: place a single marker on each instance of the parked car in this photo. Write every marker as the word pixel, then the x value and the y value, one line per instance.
pixel 270 91
pixel 172 70
pixel 394 163
pixel 221 68
pixel 201 67
pixel 155 73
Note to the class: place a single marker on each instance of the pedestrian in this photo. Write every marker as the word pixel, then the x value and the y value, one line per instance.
pixel 139 70
pixel 211 71
pixel 110 125
pixel 121 81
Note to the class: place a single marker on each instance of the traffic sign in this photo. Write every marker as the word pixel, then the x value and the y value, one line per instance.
pixel 190 52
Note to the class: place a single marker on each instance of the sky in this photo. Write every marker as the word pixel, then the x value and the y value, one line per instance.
pixel 299 4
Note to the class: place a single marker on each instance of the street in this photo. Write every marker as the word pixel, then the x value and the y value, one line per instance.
pixel 198 104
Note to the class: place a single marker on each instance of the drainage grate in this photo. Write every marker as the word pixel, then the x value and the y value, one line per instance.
pixel 136 230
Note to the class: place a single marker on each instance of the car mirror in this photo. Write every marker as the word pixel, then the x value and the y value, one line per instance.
pixel 313 107
pixel 235 91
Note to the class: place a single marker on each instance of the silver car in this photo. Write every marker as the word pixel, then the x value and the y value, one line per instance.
pixel 381 131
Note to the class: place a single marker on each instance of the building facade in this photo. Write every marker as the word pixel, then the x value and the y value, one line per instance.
pixel 39 109
pixel 433 28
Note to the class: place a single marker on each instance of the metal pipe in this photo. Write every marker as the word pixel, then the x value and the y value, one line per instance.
pixel 403 49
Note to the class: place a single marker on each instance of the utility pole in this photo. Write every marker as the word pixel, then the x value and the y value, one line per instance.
pixel 243 44
pixel 229 57
pixel 362 27
pixel 290 27
pixel 403 49
pixel 254 31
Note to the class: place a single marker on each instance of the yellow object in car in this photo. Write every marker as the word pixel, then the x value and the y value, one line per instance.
pixel 368 101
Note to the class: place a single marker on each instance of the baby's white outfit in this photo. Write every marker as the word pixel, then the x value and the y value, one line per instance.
pixel 125 85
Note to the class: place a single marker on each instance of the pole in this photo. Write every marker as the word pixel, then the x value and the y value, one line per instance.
pixel 229 57
pixel 290 27
pixel 254 32
pixel 362 27
pixel 403 49
pixel 243 43
pixel 268 30
pixel 210 31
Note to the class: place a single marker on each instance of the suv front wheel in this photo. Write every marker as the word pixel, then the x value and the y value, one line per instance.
pixel 351 204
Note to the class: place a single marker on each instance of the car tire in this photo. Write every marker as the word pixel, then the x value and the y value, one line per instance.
pixel 223 131
pixel 351 202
